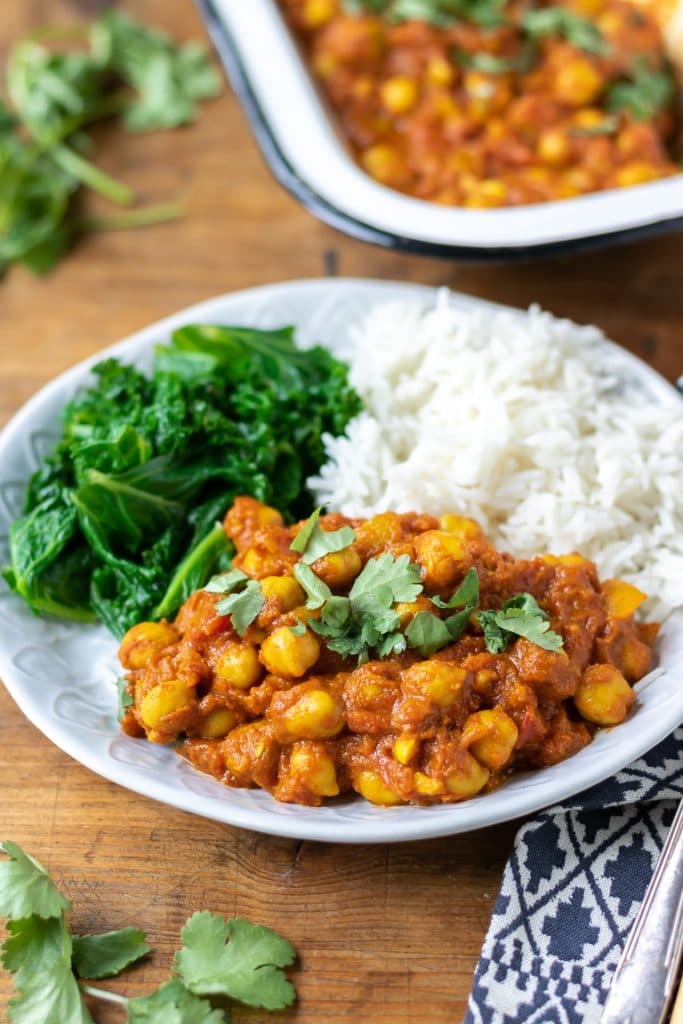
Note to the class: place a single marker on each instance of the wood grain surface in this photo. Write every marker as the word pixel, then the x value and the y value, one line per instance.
pixel 386 934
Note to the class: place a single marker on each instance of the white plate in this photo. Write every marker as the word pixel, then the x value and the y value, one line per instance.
pixel 61 674
pixel 304 148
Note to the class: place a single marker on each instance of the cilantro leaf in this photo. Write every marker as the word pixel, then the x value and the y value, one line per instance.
pixel 580 32
pixel 317 591
pixel 103 956
pixel 125 699
pixel 48 991
pixel 466 594
pixel 247 967
pixel 169 79
pixel 33 945
pixel 521 615
pixel 26 888
pixel 173 1004
pixel 493 64
pixel 312 542
pixel 427 633
pixel 644 95
pixel 442 13
pixel 386 579
pixel 495 637
pixel 243 607
pixel 226 582
pixel 299 628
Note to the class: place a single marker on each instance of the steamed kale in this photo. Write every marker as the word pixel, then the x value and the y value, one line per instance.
pixel 120 521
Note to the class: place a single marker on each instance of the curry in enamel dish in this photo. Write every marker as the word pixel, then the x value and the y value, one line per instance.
pixel 400 656
pixel 491 103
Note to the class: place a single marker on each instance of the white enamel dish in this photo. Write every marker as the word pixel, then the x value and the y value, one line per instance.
pixel 61 674
pixel 306 153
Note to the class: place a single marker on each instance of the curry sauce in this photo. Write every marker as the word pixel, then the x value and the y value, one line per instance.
pixel 273 704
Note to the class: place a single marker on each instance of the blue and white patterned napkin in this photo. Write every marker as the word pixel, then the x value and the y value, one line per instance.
pixel 570 892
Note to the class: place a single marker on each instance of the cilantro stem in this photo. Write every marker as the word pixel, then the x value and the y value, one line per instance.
pixel 92 176
pixel 157 213
pixel 104 995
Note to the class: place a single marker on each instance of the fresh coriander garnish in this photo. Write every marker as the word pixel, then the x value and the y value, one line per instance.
pixel 312 542
pixel 644 95
pixel 492 64
pixel 521 616
pixel 226 582
pixel 428 633
pixel 560 21
pixel 244 606
pixel 316 590
pixel 125 699
pixel 487 13
pixel 218 960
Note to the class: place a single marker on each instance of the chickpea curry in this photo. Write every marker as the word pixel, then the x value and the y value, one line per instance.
pixel 490 103
pixel 400 656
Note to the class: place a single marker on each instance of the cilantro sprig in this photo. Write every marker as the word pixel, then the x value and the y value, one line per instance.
pixel 644 94
pixel 521 616
pixel 580 32
pixel 245 599
pixel 117 67
pixel 218 959
pixel 442 13
pixel 366 623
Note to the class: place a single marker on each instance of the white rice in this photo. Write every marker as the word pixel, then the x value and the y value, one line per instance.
pixel 525 422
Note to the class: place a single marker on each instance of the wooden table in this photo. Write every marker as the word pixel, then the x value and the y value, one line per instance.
pixel 386 934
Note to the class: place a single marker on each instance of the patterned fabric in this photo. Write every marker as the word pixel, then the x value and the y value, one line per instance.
pixel 570 892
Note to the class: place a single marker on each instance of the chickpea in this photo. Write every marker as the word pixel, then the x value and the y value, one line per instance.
pixel 489 193
pixel 310 762
pixel 440 71
pixel 406 748
pixel 338 569
pixel 428 786
pixel 636 659
pixel 621 598
pixel 238 666
pixel 286 654
pixel 372 786
pixel 636 173
pixel 164 699
pixel 386 165
pixel 317 13
pixel 144 642
pixel 285 590
pixel 407 610
pixel 603 696
pixel 315 716
pixel 218 723
pixel 461 526
pixel 441 681
pixel 469 779
pixel 442 556
pixel 491 736
pixel 578 82
pixel 399 94
pixel 554 147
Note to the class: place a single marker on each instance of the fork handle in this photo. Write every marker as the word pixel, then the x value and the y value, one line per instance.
pixel 644 980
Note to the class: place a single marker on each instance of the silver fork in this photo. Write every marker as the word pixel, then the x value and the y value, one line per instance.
pixel 644 980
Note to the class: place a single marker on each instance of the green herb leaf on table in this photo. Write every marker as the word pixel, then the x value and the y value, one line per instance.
pixel 51 997
pixel 103 956
pixel 26 888
pixel 33 945
pixel 312 542
pixel 173 1004
pixel 243 607
pixel 644 95
pixel 580 32
pixel 235 958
